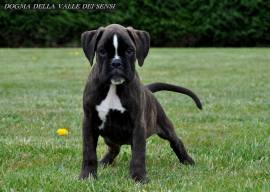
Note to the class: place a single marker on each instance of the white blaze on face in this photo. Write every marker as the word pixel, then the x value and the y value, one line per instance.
pixel 117 81
pixel 112 101
pixel 115 44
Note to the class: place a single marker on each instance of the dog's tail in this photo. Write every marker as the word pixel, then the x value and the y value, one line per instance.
pixel 154 87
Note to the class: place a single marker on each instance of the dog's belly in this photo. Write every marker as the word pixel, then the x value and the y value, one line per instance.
pixel 118 127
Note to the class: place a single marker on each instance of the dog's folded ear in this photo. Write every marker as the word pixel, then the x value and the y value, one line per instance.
pixel 142 43
pixel 89 40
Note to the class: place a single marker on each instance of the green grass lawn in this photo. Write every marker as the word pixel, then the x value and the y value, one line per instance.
pixel 41 91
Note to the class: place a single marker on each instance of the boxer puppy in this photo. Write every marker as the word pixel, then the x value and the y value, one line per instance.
pixel 117 106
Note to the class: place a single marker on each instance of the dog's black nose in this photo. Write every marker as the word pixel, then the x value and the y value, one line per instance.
pixel 116 63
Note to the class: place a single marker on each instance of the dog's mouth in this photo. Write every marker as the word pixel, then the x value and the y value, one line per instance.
pixel 117 77
pixel 117 80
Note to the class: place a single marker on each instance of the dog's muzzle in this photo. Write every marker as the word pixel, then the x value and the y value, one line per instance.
pixel 117 74
pixel 117 81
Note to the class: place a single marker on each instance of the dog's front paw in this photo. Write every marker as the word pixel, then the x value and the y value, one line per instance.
pixel 140 178
pixel 85 173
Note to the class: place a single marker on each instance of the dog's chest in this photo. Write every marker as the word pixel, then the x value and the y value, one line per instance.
pixel 111 102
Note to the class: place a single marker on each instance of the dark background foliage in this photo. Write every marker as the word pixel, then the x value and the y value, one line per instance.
pixel 169 22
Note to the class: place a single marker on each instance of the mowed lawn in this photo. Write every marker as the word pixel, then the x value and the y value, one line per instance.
pixel 41 91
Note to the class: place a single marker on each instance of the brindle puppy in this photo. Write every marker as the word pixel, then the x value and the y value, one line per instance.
pixel 118 106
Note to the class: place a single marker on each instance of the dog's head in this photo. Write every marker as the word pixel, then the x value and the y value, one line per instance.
pixel 116 49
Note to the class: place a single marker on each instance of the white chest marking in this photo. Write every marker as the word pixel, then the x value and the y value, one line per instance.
pixel 111 101
pixel 115 44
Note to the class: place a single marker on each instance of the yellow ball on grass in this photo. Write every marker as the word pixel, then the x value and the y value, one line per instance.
pixel 62 132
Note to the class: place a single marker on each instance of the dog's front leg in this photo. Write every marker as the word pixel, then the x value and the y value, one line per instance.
pixel 138 147
pixel 90 138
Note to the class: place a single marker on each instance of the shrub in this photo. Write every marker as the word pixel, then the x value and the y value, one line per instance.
pixel 170 23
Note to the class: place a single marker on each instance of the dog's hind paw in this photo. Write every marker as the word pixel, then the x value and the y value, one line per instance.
pixel 105 162
pixel 188 161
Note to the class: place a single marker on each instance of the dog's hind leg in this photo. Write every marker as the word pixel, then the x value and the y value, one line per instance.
pixel 166 131
pixel 113 151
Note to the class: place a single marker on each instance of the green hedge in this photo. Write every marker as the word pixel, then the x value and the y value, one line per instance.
pixel 170 23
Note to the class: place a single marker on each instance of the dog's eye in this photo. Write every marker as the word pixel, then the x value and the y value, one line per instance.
pixel 102 52
pixel 129 51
